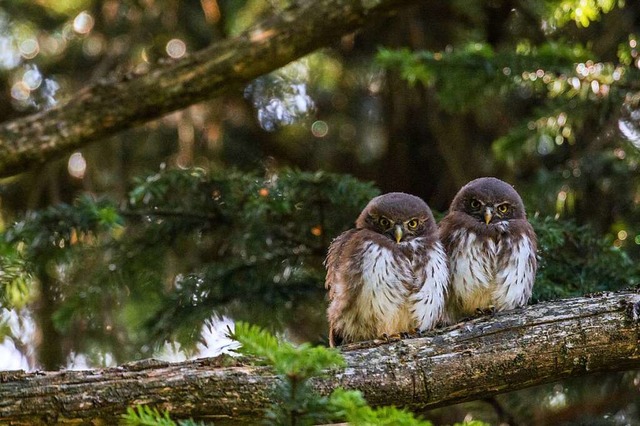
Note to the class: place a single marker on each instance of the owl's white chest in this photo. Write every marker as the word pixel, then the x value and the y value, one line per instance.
pixel 486 272
pixel 384 291
pixel 473 268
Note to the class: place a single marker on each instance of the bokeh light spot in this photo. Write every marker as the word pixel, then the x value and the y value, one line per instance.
pixel 77 165
pixel 94 45
pixel 32 78
pixel 319 129
pixel 20 91
pixel 176 48
pixel 29 48
pixel 83 23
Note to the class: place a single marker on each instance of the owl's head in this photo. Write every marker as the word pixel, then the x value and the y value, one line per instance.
pixel 489 200
pixel 398 216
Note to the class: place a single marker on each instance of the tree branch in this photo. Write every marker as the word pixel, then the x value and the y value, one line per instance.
pixel 108 107
pixel 541 344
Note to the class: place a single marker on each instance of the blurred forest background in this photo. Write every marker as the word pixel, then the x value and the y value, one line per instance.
pixel 151 244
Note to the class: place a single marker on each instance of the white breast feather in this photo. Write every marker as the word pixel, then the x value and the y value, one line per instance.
pixel 516 280
pixel 476 279
pixel 381 304
pixel 429 300
pixel 472 265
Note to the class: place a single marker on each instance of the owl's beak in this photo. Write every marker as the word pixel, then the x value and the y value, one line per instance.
pixel 397 232
pixel 488 214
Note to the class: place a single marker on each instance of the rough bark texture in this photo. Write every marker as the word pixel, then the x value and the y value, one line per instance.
pixel 108 107
pixel 513 350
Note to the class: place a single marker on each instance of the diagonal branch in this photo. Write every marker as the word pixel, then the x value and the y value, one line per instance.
pixel 108 107
pixel 541 344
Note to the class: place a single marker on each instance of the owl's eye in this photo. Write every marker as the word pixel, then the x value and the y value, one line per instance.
pixel 412 224
pixel 384 222
pixel 475 204
pixel 503 208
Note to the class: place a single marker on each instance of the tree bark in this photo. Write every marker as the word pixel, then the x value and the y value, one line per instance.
pixel 479 358
pixel 108 107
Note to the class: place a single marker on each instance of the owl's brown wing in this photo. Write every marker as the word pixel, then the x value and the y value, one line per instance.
pixel 335 265
pixel 447 228
pixel 334 255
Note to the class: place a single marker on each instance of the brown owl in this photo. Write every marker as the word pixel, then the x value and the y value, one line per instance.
pixel 388 275
pixel 491 249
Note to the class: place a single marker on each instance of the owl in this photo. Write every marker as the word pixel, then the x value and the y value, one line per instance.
pixel 388 275
pixel 491 249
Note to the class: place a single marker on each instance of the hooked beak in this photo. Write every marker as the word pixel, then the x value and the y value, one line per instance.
pixel 488 214
pixel 397 232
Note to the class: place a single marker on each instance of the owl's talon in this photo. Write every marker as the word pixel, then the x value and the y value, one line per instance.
pixel 488 311
pixel 388 338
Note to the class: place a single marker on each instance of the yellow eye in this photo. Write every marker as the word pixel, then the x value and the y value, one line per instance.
pixel 412 224
pixel 384 222
pixel 475 204
pixel 503 208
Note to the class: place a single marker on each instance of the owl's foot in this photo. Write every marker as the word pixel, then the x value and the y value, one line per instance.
pixel 416 332
pixel 390 338
pixel 488 311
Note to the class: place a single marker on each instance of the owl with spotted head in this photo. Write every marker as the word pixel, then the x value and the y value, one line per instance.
pixel 388 275
pixel 491 249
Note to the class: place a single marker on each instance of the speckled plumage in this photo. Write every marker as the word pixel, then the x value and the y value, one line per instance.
pixel 491 249
pixel 379 284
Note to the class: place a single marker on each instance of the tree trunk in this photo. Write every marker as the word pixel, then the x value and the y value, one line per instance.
pixel 483 357
pixel 103 109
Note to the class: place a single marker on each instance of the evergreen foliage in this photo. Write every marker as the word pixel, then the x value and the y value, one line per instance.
pixel 143 415
pixel 295 402
pixel 555 101
pixel 185 246
pixel 188 246
pixel 574 261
